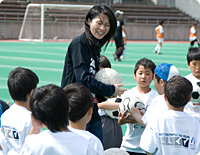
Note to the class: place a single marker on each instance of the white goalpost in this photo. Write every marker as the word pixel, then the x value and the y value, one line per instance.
pixel 53 22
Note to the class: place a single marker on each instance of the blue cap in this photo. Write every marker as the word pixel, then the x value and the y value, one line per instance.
pixel 165 71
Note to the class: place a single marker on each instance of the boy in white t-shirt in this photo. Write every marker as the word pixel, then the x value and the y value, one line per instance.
pixel 49 106
pixel 16 121
pixel 162 73
pixel 193 63
pixel 81 107
pixel 143 73
pixel 174 132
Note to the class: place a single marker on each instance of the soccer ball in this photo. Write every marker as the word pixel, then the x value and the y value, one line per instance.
pixel 113 113
pixel 129 102
pixel 196 93
pixel 108 76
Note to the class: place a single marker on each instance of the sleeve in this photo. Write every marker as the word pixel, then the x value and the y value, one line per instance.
pixel 161 29
pixel 83 76
pixel 148 141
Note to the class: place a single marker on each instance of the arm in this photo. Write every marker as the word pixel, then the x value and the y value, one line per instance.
pixel 108 105
pixel 83 76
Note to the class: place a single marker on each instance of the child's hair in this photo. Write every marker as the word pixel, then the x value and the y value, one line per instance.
pixel 193 54
pixel 146 63
pixel 104 62
pixel 49 104
pixel 178 91
pixel 80 100
pixel 161 22
pixel 157 78
pixel 20 83
pixel 95 11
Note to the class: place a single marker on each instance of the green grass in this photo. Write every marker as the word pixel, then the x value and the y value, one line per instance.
pixel 47 59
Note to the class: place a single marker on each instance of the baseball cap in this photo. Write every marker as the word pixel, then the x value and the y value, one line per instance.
pixel 165 71
pixel 118 12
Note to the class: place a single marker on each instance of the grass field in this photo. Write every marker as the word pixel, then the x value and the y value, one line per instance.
pixel 47 59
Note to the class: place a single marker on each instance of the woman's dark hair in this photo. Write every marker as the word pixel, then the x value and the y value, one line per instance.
pixel 94 12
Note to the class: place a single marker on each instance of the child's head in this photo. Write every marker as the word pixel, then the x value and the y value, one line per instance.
pixel 104 62
pixel 21 82
pixel 178 91
pixel 162 73
pixel 49 105
pixel 193 61
pixel 80 101
pixel 143 72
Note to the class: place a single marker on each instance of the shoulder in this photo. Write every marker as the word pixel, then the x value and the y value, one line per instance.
pixel 81 39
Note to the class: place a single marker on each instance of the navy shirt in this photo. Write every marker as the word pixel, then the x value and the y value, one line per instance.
pixel 81 65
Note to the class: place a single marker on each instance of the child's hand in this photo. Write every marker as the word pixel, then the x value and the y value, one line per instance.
pixel 123 118
pixel 135 111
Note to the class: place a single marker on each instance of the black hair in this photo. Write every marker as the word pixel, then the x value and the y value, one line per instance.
pixel 178 91
pixel 161 22
pixel 20 83
pixel 104 62
pixel 147 63
pixel 193 54
pixel 93 13
pixel 49 105
pixel 157 78
pixel 80 100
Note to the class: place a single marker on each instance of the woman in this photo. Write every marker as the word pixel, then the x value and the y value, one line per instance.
pixel 83 56
pixel 159 36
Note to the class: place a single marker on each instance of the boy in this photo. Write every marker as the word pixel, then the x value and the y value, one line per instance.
pixel 16 121
pixel 173 132
pixel 143 73
pixel 162 73
pixel 193 63
pixel 49 106
pixel 81 107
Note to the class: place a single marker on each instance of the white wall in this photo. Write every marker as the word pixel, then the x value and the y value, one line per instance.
pixel 190 7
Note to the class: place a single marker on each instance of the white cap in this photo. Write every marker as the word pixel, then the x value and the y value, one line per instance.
pixel 118 12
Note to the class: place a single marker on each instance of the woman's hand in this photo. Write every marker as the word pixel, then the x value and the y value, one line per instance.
pixel 119 90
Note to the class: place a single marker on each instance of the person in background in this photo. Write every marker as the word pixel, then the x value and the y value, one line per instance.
pixel 159 36
pixel 193 35
pixel 119 42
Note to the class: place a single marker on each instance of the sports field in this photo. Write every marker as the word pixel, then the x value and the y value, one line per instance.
pixel 47 59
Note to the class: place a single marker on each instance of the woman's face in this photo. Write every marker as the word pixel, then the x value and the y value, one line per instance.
pixel 99 26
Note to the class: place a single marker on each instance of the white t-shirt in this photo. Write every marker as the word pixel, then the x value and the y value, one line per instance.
pixel 193 109
pixel 57 143
pixel 15 126
pixel 157 107
pixel 131 139
pixel 95 142
pixel 173 133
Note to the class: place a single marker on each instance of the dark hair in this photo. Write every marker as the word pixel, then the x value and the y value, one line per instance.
pixel 80 100
pixel 161 22
pixel 93 13
pixel 147 63
pixel 157 78
pixel 178 91
pixel 20 83
pixel 49 104
pixel 104 62
pixel 193 54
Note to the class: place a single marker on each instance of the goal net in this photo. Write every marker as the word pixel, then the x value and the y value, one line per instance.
pixel 43 22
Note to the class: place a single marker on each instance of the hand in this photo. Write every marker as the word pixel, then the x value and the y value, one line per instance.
pixel 135 111
pixel 123 118
pixel 119 90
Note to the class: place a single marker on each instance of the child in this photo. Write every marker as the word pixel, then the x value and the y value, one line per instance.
pixel 16 121
pixel 193 35
pixel 173 132
pixel 112 131
pixel 143 73
pixel 159 37
pixel 193 63
pixel 81 107
pixel 162 73
pixel 49 106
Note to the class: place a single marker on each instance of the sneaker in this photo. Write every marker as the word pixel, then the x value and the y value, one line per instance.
pixel 123 57
pixel 115 56
pixel 158 53
pixel 154 51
